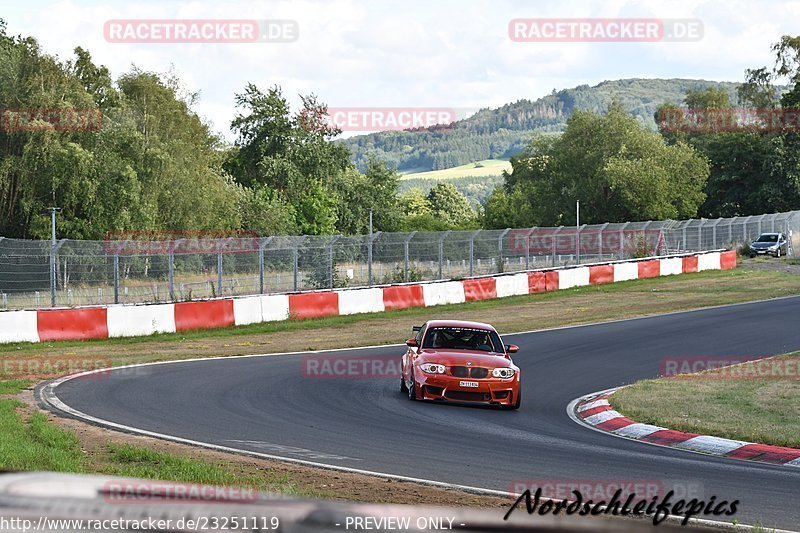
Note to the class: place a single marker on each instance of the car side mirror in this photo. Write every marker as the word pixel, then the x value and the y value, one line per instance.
pixel 512 348
pixel 412 343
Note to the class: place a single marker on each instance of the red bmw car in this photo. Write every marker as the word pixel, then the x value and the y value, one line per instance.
pixel 459 361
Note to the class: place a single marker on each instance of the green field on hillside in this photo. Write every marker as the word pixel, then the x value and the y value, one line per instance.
pixel 487 167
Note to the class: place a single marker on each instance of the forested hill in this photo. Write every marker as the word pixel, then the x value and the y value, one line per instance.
pixel 503 132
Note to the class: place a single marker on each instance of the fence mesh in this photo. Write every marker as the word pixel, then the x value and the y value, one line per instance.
pixel 132 269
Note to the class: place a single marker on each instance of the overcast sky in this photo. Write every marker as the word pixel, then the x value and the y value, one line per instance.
pixel 410 53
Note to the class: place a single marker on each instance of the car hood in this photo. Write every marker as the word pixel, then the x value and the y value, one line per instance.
pixel 462 358
pixel 762 245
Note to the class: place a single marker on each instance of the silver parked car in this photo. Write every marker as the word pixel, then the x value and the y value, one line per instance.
pixel 773 244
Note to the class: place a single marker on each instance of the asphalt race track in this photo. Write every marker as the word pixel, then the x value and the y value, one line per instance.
pixel 266 404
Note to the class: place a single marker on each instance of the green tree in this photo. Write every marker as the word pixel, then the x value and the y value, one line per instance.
pixel 451 207
pixel 358 193
pixel 290 153
pixel 619 170
pixel 754 168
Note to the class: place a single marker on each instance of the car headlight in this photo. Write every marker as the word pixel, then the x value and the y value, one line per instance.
pixel 431 368
pixel 504 373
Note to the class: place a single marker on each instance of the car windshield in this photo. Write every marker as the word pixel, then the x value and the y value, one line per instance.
pixel 768 238
pixel 481 340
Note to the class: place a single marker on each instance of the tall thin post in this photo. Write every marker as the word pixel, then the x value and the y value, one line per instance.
pixel 295 254
pixel 294 264
pixel 116 278
pixel 500 247
pixel 577 231
pixel 330 260
pixel 441 251
pixel 405 255
pixel 219 273
pixel 171 274
pixel 472 252
pixel 369 251
pixel 53 281
pixel 262 245
pixel 261 267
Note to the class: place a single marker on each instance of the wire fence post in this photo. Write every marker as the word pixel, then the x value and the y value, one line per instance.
pixel 405 255
pixel 700 234
pixel 555 243
pixel 219 274
pixel 372 238
pixel 442 237
pixel 502 236
pixel 622 240
pixel 528 249
pixel 295 260
pixel 171 275
pixel 600 239
pixel 263 242
pixel 116 278
pixel 330 259
pixel 472 252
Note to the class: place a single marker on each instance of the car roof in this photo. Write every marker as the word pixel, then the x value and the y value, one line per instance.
pixel 771 233
pixel 459 324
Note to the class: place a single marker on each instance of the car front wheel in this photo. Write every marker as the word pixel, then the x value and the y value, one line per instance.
pixel 412 388
pixel 516 403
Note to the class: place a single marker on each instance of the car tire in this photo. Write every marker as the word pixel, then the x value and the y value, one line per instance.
pixel 403 387
pixel 516 403
pixel 412 389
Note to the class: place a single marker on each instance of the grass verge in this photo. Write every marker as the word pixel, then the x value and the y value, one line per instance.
pixel 31 442
pixel 751 401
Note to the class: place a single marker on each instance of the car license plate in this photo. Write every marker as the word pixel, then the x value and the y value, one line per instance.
pixel 471 384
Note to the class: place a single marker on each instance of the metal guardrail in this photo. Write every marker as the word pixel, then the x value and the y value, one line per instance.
pixel 188 266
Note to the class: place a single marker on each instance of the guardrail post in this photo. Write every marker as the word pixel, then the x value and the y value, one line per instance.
pixel 441 250
pixel 405 255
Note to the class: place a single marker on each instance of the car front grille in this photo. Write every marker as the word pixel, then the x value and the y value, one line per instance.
pixel 469 372
pixel 466 396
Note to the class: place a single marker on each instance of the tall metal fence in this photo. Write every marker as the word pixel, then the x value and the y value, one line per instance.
pixel 192 266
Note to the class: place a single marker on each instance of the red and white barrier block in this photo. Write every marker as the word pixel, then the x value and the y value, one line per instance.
pixel 596 411
pixel 137 320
